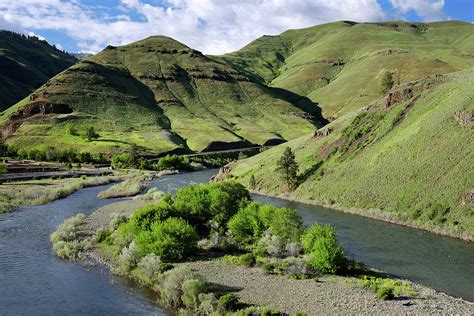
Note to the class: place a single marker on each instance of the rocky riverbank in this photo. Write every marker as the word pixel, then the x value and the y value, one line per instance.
pixel 327 295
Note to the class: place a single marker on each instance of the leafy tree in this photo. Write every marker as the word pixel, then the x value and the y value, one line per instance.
pixel 91 134
pixel 387 82
pixel 288 167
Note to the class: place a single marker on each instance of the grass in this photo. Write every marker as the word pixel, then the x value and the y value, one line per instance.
pixel 409 163
pixel 131 186
pixel 339 65
pixel 121 92
pixel 36 192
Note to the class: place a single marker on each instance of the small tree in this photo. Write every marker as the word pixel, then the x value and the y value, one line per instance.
pixel 288 167
pixel 91 134
pixel 3 168
pixel 387 82
pixel 3 148
pixel 252 182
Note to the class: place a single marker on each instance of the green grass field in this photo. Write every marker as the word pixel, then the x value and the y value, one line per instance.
pixel 411 161
pixel 160 95
pixel 339 65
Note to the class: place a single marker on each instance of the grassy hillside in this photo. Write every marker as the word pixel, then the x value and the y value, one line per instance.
pixel 25 64
pixel 340 65
pixel 408 155
pixel 160 95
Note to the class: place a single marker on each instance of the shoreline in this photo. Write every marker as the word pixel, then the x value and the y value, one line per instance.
pixel 254 286
pixel 372 214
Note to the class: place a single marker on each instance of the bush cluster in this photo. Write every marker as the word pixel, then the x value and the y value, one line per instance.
pixel 387 289
pixel 325 253
pixel 172 227
pixel 71 155
pixel 65 239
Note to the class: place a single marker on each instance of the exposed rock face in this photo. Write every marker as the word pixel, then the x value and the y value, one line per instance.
pixel 35 108
pixel 323 132
pixel 399 95
pixel 223 173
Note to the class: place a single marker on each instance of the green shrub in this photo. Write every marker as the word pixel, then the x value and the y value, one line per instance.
pixel 128 258
pixel 151 267
pixel 65 239
pixel 325 253
pixel 229 302
pixel 104 235
pixel 172 162
pixel 90 134
pixel 260 311
pixel 172 286
pixel 313 233
pixel 71 130
pixel 191 290
pixel 3 168
pixel 142 219
pixel 295 267
pixel 208 304
pixel 216 202
pixel 249 224
pixel 172 239
pixel 387 289
pixel 116 221
pixel 385 293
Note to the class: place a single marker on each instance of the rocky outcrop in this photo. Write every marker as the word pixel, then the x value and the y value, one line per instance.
pixel 464 118
pixel 323 132
pixel 33 109
pixel 223 173
pixel 398 95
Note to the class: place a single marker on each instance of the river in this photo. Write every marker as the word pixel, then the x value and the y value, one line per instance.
pixel 34 282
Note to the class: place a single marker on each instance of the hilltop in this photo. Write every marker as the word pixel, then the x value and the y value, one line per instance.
pixel 340 65
pixel 160 95
pixel 26 63
pixel 163 96
pixel 407 158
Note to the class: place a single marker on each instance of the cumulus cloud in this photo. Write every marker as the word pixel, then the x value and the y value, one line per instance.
pixel 213 26
pixel 428 10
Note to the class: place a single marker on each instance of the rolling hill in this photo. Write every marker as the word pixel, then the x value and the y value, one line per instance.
pixel 25 64
pixel 160 95
pixel 407 157
pixel 340 65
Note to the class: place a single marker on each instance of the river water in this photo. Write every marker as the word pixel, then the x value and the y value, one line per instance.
pixel 34 282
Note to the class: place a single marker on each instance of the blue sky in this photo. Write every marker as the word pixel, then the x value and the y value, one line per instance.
pixel 212 26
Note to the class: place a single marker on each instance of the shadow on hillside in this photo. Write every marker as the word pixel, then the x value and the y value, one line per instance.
pixel 303 103
pixel 123 82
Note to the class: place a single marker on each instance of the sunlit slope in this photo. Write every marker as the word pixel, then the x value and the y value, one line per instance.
pixel 410 156
pixel 160 95
pixel 340 65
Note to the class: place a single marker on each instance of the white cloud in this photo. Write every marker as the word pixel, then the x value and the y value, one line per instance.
pixel 428 10
pixel 213 26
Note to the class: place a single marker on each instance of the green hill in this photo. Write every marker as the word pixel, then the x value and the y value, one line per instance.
pixel 408 156
pixel 25 64
pixel 160 95
pixel 340 65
